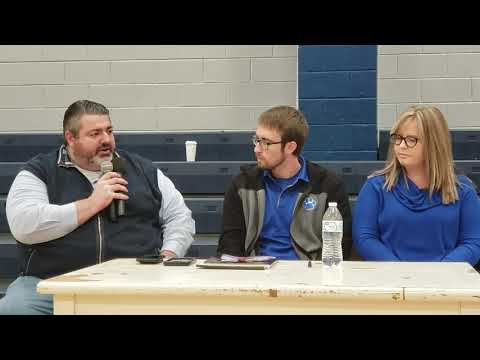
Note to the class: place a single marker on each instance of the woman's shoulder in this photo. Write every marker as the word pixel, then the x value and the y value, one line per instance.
pixel 466 185
pixel 374 183
pixel 376 180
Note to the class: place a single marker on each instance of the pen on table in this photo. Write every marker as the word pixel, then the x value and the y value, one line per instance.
pixel 309 263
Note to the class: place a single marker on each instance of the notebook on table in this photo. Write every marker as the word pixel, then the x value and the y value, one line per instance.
pixel 239 262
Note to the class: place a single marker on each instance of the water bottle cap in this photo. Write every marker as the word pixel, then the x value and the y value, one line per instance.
pixel 334 204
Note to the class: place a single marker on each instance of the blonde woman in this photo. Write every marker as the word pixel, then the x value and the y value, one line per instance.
pixel 417 208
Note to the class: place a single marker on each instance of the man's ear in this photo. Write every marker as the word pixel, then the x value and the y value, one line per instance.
pixel 290 147
pixel 69 137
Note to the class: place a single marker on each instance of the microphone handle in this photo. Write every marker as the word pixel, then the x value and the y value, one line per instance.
pixel 121 208
pixel 112 211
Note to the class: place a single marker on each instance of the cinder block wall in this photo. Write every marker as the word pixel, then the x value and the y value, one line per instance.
pixel 147 88
pixel 337 93
pixel 447 76
pixel 223 87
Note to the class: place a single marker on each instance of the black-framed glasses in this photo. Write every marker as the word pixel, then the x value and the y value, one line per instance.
pixel 264 144
pixel 410 141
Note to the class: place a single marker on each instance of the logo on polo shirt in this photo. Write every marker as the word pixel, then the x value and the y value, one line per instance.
pixel 309 203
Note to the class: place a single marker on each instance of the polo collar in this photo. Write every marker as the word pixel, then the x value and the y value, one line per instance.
pixel 63 159
pixel 301 175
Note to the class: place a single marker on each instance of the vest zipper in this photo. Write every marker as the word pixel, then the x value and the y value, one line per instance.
pixel 100 239
pixel 28 262
pixel 99 227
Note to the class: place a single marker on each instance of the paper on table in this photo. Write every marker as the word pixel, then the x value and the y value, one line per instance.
pixel 231 258
pixel 239 262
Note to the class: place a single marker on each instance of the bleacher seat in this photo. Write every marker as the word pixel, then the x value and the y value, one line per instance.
pixel 3 217
pixel 8 171
pixel 212 146
pixel 214 177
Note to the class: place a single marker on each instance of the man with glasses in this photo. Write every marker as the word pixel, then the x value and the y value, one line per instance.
pixel 275 208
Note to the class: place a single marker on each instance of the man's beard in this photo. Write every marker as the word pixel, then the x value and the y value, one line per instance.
pixel 271 166
pixel 98 160
pixel 95 160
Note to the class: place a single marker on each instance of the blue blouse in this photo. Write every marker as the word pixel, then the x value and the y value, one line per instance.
pixel 405 224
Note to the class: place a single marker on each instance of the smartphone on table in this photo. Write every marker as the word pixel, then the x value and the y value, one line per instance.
pixel 179 261
pixel 150 259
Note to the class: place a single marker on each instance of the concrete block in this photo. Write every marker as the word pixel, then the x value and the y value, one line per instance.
pixel 91 72
pixel 31 120
pixel 463 65
pixel 136 95
pixel 398 90
pixel 421 66
pixel 268 94
pixel 399 49
pixel 134 119
pixel 19 53
pixel 63 95
pixel 20 97
pixel 157 72
pixel 229 70
pixel 234 51
pixel 285 50
pixel 387 66
pixel 445 90
pixel 64 52
pixel 33 73
pixel 274 69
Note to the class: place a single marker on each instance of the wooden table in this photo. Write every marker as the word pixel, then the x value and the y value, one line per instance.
pixel 290 287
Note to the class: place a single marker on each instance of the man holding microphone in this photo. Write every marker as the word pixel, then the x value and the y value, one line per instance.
pixel 63 209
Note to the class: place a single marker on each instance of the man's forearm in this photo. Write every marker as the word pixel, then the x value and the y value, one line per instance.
pixel 86 209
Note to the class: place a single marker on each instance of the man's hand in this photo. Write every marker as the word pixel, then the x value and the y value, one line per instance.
pixel 109 187
pixel 167 254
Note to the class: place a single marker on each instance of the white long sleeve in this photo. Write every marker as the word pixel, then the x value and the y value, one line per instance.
pixel 175 217
pixel 32 219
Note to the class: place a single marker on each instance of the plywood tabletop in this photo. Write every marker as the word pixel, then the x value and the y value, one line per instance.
pixel 397 280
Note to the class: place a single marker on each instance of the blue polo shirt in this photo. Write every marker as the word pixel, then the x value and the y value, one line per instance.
pixel 280 196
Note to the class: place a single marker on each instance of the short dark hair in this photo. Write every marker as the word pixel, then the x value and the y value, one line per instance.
pixel 76 110
pixel 289 122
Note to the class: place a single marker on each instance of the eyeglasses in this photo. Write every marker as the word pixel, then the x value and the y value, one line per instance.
pixel 410 141
pixel 264 144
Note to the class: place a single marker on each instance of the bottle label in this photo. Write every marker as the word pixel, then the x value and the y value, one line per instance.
pixel 332 226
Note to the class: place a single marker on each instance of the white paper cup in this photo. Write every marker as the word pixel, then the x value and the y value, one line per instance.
pixel 191 150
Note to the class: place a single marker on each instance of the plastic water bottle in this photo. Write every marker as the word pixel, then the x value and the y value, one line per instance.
pixel 332 233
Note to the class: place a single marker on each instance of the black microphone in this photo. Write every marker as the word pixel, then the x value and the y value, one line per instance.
pixel 106 167
pixel 119 167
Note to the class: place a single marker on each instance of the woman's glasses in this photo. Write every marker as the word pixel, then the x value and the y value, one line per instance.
pixel 410 141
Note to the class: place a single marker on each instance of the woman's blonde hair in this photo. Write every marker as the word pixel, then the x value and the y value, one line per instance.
pixel 437 147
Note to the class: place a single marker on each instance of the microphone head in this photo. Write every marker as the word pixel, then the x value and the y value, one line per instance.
pixel 118 165
pixel 106 166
